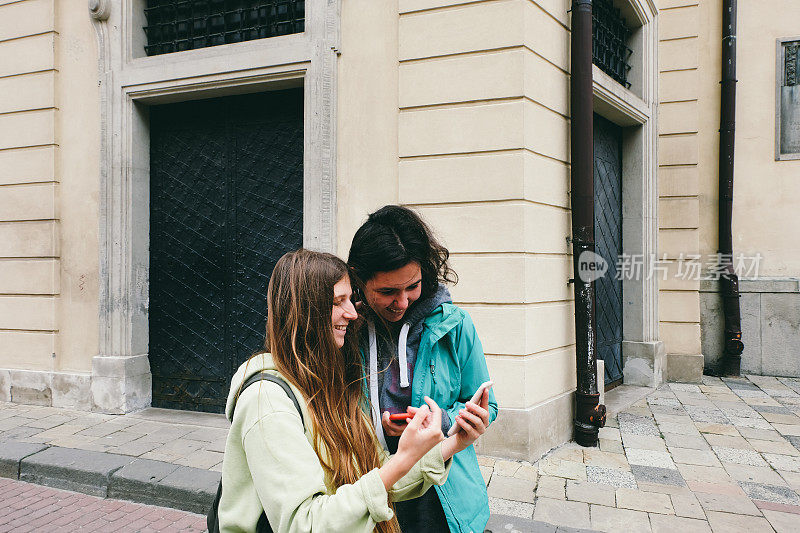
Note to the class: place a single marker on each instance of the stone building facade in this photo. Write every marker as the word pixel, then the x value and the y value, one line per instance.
pixel 459 109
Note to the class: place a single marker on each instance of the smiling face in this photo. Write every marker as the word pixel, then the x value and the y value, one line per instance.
pixel 343 310
pixel 390 294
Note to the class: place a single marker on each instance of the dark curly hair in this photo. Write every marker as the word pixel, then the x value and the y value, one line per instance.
pixel 394 236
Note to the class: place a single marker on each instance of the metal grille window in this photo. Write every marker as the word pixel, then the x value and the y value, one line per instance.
pixel 787 138
pixel 610 36
pixel 177 25
pixel 791 60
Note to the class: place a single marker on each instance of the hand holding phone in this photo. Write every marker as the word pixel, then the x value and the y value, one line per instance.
pixel 476 398
pixel 395 424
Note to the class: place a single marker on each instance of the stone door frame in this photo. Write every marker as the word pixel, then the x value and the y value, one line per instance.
pixel 635 109
pixel 129 82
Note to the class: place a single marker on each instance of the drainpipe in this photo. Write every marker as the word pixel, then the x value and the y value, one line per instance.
pixel 729 281
pixel 589 414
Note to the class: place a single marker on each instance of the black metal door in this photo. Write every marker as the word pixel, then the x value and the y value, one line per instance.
pixel 226 201
pixel 608 243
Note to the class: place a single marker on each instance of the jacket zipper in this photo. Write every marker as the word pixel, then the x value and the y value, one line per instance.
pixel 433 373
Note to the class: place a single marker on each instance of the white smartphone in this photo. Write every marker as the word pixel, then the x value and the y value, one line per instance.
pixel 475 399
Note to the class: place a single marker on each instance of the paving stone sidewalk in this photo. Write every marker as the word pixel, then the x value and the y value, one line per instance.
pixel 721 456
pixel 157 457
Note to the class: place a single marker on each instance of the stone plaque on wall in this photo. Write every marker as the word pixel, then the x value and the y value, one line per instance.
pixel 787 139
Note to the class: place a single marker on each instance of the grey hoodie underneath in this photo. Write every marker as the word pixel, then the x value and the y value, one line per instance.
pixel 423 514
pixel 393 397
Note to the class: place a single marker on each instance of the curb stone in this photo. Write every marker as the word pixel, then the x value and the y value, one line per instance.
pixel 166 485
pixel 513 524
pixel 508 524
pixel 189 489
pixel 70 469
pixel 13 452
pixel 110 475
pixel 137 480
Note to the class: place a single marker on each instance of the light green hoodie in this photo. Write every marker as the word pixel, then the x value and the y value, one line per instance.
pixel 270 464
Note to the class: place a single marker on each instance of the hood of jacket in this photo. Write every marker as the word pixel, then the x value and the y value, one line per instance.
pixel 424 307
pixel 411 332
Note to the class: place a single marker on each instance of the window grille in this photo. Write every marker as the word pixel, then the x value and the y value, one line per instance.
pixel 787 138
pixel 610 36
pixel 177 25
pixel 791 59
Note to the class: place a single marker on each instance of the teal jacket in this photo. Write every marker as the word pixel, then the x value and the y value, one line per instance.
pixel 450 367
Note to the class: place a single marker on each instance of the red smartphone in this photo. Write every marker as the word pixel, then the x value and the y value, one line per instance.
pixel 401 416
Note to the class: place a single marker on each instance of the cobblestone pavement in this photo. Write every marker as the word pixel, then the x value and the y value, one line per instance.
pixel 27 507
pixel 188 439
pixel 723 456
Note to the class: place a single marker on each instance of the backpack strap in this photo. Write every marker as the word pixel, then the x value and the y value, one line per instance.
pixel 262 526
pixel 266 376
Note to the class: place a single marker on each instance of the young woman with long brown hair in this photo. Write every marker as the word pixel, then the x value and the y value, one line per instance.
pixel 321 468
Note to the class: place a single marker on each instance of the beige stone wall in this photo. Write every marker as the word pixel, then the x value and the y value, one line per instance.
pixel 766 191
pixel 367 108
pixel 48 186
pixel 472 131
pixel 679 169
pixel 78 164
pixel 484 156
pixel 29 227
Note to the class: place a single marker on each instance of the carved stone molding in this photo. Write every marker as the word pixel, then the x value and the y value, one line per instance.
pixel 100 9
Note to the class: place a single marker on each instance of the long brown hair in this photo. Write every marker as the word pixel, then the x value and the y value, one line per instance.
pixel 300 339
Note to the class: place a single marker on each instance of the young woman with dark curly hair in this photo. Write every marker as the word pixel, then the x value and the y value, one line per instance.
pixel 417 343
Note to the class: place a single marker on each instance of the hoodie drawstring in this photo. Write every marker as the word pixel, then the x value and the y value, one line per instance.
pixel 401 354
pixel 374 398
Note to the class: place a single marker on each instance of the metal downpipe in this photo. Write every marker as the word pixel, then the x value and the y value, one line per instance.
pixel 729 281
pixel 589 415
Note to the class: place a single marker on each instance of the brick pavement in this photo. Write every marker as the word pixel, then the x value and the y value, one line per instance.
pixel 27 507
